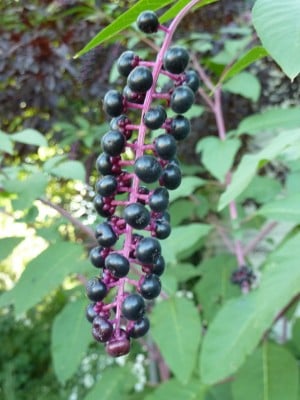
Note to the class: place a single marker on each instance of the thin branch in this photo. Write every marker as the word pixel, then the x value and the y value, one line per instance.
pixel 74 221
pixel 261 235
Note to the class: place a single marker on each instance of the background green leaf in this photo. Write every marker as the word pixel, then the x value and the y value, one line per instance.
pixel 287 209
pixel 69 169
pixel 7 245
pixel 29 136
pixel 244 84
pixel 175 390
pixel 188 185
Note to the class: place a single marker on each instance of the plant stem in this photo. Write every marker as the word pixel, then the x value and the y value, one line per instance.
pixel 263 233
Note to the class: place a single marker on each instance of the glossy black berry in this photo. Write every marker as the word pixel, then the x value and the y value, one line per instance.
pixel 171 177
pixel 176 59
pixel 105 235
pixel 113 143
pixel 191 79
pixel 165 146
pixel 136 215
pixel 96 290
pixel 180 127
pixel 102 329
pixel 159 199
pixel 155 117
pixel 243 276
pixel 100 206
pixel 107 185
pixel 90 313
pixel 150 287
pixel 182 99
pixel 117 264
pixel 117 347
pixel 148 250
pixel 162 229
pixel 113 103
pixel 159 266
pixel 140 79
pixel 133 307
pixel 147 168
pixel 147 22
pixel 139 328
pixel 126 62
pixel 104 164
pixel 133 97
pixel 96 257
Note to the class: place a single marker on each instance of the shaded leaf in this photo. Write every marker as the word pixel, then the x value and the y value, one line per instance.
pixel 188 185
pixel 176 328
pixel 69 169
pixel 287 209
pixel 244 84
pixel 29 136
pixel 175 390
pixel 7 245
pixel 6 144
pixel 70 338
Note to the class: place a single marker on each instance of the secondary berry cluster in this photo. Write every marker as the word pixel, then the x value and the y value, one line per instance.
pixel 137 167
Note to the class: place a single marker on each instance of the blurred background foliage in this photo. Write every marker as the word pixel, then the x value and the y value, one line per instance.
pixel 51 123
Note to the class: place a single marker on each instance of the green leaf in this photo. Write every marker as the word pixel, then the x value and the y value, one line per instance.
pixel 188 185
pixel 277 25
pixel 69 332
pixel 176 328
pixel 220 392
pixel 273 120
pixel 178 6
pixel 7 245
pixel 244 84
pixel 5 143
pixel 29 136
pixel 251 163
pixel 175 247
pixel 183 271
pixel 244 61
pixel 287 209
pixel 271 373
pixel 232 49
pixel 262 189
pixel 112 385
pixel 123 22
pixel 175 390
pixel 240 324
pixel 69 169
pixel 223 155
pixel 43 274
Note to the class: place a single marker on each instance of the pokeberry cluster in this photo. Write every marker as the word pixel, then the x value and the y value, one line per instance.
pixel 243 276
pixel 137 167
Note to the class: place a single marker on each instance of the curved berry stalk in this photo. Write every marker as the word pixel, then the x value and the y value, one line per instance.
pixel 138 167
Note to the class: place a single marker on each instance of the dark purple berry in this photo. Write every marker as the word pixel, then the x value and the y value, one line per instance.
pixel 171 177
pixel 243 276
pixel 117 347
pixel 159 266
pixel 162 229
pixel 96 257
pixel 139 328
pixel 136 215
pixel 105 235
pixel 96 290
pixel 147 22
pixel 102 329
pixel 113 103
pixel 133 97
pixel 107 185
pixel 191 79
pixel 180 127
pixel 148 250
pixel 104 164
pixel 182 99
pixel 176 59
pixel 100 206
pixel 159 199
pixel 133 307
pixel 119 124
pixel 113 143
pixel 150 287
pixel 140 79
pixel 126 62
pixel 165 146
pixel 155 117
pixel 147 168
pixel 117 264
pixel 90 313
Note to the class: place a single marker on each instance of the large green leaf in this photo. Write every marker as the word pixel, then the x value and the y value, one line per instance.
pixel 271 373
pixel 69 169
pixel 251 163
pixel 218 155
pixel 188 185
pixel 123 22
pixel 43 274
pixel 244 84
pixel 113 384
pixel 183 241
pixel 241 322
pixel 175 390
pixel 287 209
pixel 277 25
pixel 29 136
pixel 176 328
pixel 70 338
pixel 7 245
